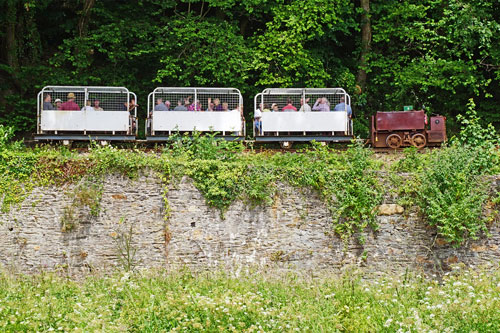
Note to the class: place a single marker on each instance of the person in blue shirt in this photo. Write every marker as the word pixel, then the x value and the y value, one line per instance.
pixel 342 106
pixel 160 106
pixel 47 103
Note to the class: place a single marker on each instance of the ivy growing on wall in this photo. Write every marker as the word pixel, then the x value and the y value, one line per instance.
pixel 447 185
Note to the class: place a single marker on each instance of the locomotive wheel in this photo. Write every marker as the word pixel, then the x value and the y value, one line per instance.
pixel 418 140
pixel 394 141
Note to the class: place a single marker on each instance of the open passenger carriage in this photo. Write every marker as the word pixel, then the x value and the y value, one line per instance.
pixel 86 113
pixel 186 110
pixel 303 114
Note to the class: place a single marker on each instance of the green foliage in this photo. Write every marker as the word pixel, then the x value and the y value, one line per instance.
pixel 451 188
pixel 124 244
pixel 357 193
pixel 422 52
pixel 204 147
pixel 412 161
pixel 219 182
pixel 156 301
pixel 220 170
pixel 452 193
pixel 473 133
pixel 85 196
pixel 210 54
pixel 434 53
pixel 6 133
pixel 451 185
pixel 291 50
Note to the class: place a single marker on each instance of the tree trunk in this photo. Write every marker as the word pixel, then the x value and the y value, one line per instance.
pixel 85 17
pixel 11 54
pixel 244 25
pixel 366 38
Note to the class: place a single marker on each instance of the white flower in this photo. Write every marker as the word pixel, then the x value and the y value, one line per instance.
pixel 388 322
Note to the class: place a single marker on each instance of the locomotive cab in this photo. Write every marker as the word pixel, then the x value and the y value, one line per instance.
pixel 437 132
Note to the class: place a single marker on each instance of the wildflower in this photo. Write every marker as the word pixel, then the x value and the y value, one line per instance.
pixel 388 322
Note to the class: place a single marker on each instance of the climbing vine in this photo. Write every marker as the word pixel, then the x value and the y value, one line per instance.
pixel 451 186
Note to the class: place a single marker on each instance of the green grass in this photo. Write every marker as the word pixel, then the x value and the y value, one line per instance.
pixel 152 301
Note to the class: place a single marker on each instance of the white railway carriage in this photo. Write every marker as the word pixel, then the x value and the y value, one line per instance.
pixel 185 110
pixel 86 113
pixel 303 114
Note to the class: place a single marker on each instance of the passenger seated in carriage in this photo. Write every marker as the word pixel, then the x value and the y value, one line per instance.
pixel 167 104
pixel 342 106
pixel 58 103
pixel 196 106
pixel 187 102
pixel 130 106
pixel 87 107
pixel 257 119
pixel 210 106
pixel 180 107
pixel 47 105
pixel 274 107
pixel 96 105
pixel 70 104
pixel 289 106
pixel 304 106
pixel 217 105
pixel 225 106
pixel 160 106
pixel 321 104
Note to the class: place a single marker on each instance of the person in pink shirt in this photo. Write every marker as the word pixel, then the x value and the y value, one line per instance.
pixel 289 106
pixel 196 106
pixel 70 105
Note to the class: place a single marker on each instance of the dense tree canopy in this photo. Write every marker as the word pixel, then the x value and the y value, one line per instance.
pixel 386 54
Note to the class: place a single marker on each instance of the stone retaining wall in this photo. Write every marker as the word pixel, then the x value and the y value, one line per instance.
pixel 294 233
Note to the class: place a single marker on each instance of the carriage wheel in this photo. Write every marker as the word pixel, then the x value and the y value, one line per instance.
pixel 418 140
pixel 286 144
pixel 394 141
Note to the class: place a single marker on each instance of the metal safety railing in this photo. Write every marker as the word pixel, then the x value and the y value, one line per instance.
pixel 218 109
pixel 86 99
pixel 302 100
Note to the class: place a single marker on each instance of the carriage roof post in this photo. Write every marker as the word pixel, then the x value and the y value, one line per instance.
pixel 39 102
pixel 255 108
pixel 303 97
pixel 135 114
pixel 195 98
pixel 128 100
pixel 148 113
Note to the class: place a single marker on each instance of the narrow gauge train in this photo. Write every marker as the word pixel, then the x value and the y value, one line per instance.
pixel 110 114
pixel 407 128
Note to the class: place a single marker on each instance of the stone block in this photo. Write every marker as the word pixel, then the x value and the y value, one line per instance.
pixel 390 209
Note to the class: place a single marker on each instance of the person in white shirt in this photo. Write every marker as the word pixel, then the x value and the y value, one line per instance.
pixel 257 122
pixel 304 106
pixel 88 107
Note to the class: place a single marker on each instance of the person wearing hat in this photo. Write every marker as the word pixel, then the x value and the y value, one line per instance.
pixel 70 104
pixel 58 103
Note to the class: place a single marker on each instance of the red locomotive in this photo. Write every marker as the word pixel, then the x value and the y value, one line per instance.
pixel 407 128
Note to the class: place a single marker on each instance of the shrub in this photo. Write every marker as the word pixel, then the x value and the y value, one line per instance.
pixel 450 186
pixel 452 193
pixel 6 133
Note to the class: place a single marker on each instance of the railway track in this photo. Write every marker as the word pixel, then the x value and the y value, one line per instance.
pixel 147 146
